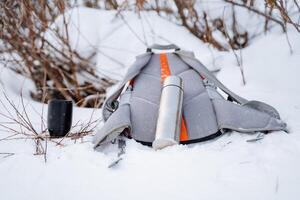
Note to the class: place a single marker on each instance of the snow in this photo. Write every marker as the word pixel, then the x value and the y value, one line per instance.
pixel 228 167
pixel 118 40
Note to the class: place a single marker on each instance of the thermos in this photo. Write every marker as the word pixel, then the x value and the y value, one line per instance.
pixel 168 125
pixel 59 117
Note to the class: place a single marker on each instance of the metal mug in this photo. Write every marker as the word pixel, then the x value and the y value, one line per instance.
pixel 59 119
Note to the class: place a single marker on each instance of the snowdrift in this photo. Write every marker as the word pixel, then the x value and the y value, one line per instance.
pixel 226 168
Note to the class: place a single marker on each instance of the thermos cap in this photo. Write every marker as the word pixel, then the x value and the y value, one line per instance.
pixel 173 80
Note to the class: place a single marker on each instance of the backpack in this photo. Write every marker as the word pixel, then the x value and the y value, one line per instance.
pixel 132 109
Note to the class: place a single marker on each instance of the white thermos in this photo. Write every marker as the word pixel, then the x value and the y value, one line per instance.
pixel 169 119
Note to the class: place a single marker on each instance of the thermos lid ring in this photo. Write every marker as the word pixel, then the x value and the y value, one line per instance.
pixel 173 80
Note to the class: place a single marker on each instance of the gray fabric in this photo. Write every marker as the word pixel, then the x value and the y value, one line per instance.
pixel 244 119
pixel 201 69
pixel 140 62
pixel 147 85
pixel 263 107
pixel 200 117
pixel 117 123
pixel 143 115
pixel 174 60
pixel 192 85
pixel 205 111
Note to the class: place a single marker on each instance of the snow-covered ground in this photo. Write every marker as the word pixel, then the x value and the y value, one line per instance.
pixel 226 168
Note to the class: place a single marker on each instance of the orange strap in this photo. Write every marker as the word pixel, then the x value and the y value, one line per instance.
pixel 184 134
pixel 164 67
pixel 165 72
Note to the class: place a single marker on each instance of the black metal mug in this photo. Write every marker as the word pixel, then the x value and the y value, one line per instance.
pixel 59 117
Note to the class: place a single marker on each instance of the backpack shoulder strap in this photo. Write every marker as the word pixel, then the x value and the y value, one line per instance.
pixel 133 70
pixel 189 59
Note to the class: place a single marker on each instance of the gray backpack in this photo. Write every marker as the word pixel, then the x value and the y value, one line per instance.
pixel 133 108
